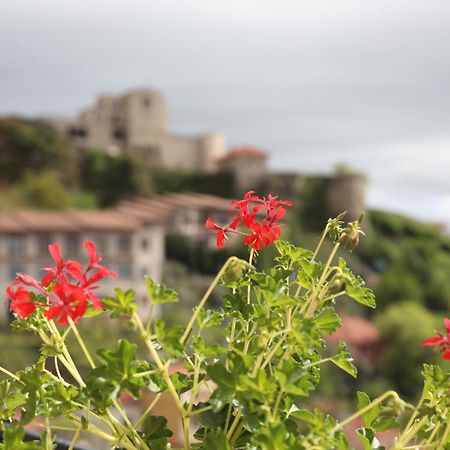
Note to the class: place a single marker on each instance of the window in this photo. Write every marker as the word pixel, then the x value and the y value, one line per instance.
pixel 72 242
pixel 124 243
pixel 145 244
pixel 16 244
pixel 44 240
pixel 146 102
pixel 99 240
pixel 124 271
pixel 14 269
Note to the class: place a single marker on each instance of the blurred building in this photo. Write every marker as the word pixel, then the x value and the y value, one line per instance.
pixel 362 338
pixel 248 166
pixel 131 237
pixel 136 124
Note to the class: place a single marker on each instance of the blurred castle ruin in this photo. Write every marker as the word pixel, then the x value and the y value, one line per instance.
pixel 135 124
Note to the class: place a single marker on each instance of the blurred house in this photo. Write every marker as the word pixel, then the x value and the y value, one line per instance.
pixel 136 124
pixel 362 338
pixel 185 214
pixel 131 237
pixel 248 165
pixel 130 246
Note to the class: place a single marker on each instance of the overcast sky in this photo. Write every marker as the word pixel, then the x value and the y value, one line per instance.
pixel 313 82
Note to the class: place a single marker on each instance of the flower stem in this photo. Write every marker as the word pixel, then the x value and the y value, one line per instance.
pixel 364 410
pixel 10 374
pixel 161 366
pixel 313 302
pixel 81 342
pixel 205 298
pixel 148 410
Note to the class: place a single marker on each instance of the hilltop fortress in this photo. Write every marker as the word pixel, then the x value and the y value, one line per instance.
pixel 136 124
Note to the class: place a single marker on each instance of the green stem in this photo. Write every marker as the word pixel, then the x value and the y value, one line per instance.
pixel 10 374
pixel 446 434
pixel 205 298
pixel 75 437
pixel 249 290
pixel 319 245
pixel 416 411
pixel 235 423
pixel 316 363
pixel 406 437
pixel 161 366
pixel 81 342
pixel 201 410
pixel 148 410
pixel 364 410
pixel 313 303
pixel 186 437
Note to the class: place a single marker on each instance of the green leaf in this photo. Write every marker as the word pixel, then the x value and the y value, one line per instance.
pixel 370 416
pixel 200 348
pixel 293 379
pixel 217 440
pixel 355 286
pixel 123 304
pixel 327 320
pixel 160 294
pixel 13 436
pixel 155 432
pixel 379 417
pixel 344 360
pixel 169 338
pixel 368 439
pixel 11 398
pixel 209 318
pixel 116 374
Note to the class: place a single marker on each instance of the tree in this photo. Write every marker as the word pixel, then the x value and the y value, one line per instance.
pixel 42 190
pixel 403 327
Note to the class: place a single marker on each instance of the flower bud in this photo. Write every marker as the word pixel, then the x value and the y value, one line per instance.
pixel 351 234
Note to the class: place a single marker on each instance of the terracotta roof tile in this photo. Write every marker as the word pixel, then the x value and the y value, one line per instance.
pixel 356 331
pixel 245 151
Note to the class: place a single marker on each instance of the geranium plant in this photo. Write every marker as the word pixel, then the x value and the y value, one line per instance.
pixel 273 326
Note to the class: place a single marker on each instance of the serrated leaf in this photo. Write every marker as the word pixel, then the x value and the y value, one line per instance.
pixel 158 293
pixel 327 320
pixel 155 432
pixel 169 337
pixel 344 360
pixel 369 440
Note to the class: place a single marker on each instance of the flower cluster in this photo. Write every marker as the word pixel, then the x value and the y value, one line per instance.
pixel 441 341
pixel 65 290
pixel 260 216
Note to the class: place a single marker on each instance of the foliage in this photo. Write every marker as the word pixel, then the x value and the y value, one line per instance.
pixel 111 178
pixel 403 327
pixel 220 184
pixel 42 190
pixel 314 209
pixel 398 247
pixel 27 145
pixel 274 324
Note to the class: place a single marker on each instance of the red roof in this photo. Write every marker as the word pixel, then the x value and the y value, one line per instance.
pixel 245 151
pixel 356 331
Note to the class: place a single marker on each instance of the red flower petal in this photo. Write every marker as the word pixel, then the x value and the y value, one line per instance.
pixel 55 252
pixel 447 326
pixel 434 340
pixel 446 354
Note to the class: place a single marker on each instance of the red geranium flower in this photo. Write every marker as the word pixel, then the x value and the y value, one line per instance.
pixel 259 215
pixel 65 290
pixel 20 301
pixel 443 342
pixel 70 302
